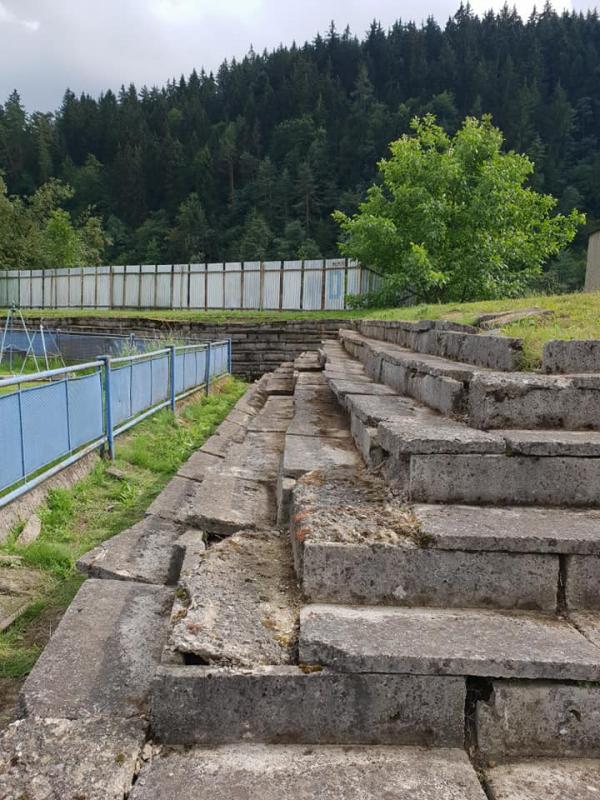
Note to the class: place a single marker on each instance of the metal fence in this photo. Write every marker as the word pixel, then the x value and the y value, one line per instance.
pixel 50 419
pixel 270 285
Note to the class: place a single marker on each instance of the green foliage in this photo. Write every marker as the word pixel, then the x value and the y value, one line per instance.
pixel 453 217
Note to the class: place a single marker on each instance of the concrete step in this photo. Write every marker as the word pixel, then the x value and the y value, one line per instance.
pixel 241 603
pixel 543 779
pixel 146 553
pixel 487 398
pixel 94 758
pixel 305 705
pixel 439 641
pixel 102 657
pixel 355 542
pixel 298 773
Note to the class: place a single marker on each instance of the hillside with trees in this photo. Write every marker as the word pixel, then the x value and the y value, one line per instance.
pixel 252 161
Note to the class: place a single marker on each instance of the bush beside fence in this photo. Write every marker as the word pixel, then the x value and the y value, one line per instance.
pixel 54 418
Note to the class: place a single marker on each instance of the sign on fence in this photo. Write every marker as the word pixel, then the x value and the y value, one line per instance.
pixel 320 284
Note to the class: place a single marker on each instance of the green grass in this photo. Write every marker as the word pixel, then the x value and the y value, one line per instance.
pixel 213 317
pixel 101 505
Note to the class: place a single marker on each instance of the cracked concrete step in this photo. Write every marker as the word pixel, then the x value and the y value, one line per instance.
pixel 146 553
pixel 426 641
pixel 308 361
pixel 298 773
pixel 355 542
pixel 518 529
pixel 275 416
pixel 242 603
pixel 544 779
pixel 317 413
pixel 533 719
pixel 304 454
pixel 305 705
pixel 198 465
pixel 102 657
pixel 93 758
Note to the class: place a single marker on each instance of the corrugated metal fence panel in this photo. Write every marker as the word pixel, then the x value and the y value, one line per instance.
pixel 11 454
pixel 147 285
pixel 180 285
pixel 313 284
pixel 272 282
pixel 118 286
pixel 215 285
pixel 353 286
pixel 163 285
pixel 233 284
pixel 197 285
pixel 251 284
pixel 85 409
pixel 44 421
pixel 131 286
pixel 37 288
pixel 89 286
pixel 292 284
pixel 334 283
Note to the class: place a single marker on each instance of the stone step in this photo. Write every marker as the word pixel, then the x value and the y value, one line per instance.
pixel 489 399
pixel 298 773
pixel 305 705
pixel 102 657
pixel 543 779
pixel 355 542
pixel 95 758
pixel 241 603
pixel 425 641
pixel 146 553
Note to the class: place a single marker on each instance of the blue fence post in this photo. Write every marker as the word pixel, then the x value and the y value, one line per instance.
pixel 110 439
pixel 207 369
pixel 229 356
pixel 172 375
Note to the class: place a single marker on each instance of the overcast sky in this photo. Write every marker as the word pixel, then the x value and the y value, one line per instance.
pixel 91 45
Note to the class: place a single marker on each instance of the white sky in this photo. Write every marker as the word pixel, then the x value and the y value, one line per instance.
pixel 91 45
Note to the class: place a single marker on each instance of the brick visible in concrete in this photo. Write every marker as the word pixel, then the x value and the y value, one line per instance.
pixel 446 642
pixel 204 705
pixel 512 529
pixel 577 355
pixel 503 480
pixel 298 773
pixel 94 758
pixel 102 657
pixel 146 553
pixel 532 719
pixel 243 603
pixel 575 779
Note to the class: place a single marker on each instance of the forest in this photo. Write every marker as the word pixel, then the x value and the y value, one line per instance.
pixel 251 162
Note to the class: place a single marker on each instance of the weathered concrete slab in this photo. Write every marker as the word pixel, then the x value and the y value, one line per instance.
pixel 525 400
pixel 306 453
pixel 218 445
pixel 146 553
pixel 575 779
pixel 204 705
pixel 341 388
pixel 275 416
pixel 317 413
pixel 367 442
pixel 231 431
pixel 310 360
pixel 102 657
pixel 175 494
pixel 503 480
pixel 93 758
pixel 532 719
pixel 576 355
pixel 512 529
pixel 198 465
pixel 588 622
pixel 352 508
pixel 446 642
pixel 257 458
pixel 372 409
pixel 243 603
pixel 298 773
pixel 551 443
pixel 309 379
pixel 492 352
pixel 18 586
pixel 225 503
pixel 279 383
pixel 403 574
pixel 582 584
pixel 431 434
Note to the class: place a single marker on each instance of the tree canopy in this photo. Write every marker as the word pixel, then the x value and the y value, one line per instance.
pixel 453 218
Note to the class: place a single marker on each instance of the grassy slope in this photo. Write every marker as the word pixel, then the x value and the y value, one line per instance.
pixel 577 316
pixel 98 507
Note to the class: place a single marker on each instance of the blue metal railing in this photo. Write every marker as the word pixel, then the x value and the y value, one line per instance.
pixel 56 417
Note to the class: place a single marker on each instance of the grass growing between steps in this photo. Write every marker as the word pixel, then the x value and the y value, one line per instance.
pixel 111 498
